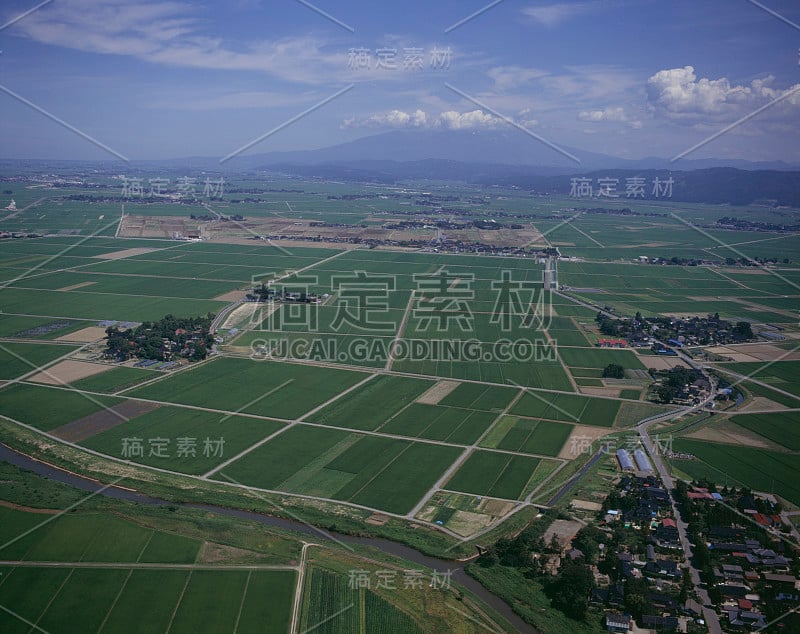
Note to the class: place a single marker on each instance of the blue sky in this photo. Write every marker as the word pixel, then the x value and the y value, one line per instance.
pixel 166 79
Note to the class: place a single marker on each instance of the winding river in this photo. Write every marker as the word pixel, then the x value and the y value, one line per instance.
pixel 51 472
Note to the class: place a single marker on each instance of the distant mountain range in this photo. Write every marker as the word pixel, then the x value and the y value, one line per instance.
pixel 507 157
pixel 508 147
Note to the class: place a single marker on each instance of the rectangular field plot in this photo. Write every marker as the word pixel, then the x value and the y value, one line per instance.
pixel 783 375
pixel 265 388
pixel 354 350
pixel 331 606
pixel 436 422
pixel 197 610
pixel 599 358
pixel 759 469
pixel 486 398
pixel 493 474
pixel 115 380
pixel 128 285
pixel 570 408
pixel 81 305
pixel 267 603
pixel 140 609
pixel 373 403
pixel 87 537
pixel 536 374
pixel 37 327
pixel 189 438
pixel 381 473
pixel 17 359
pixel 780 427
pixel 47 408
pixel 528 436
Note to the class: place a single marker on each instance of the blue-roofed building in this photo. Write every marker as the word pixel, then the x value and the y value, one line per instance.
pixel 642 461
pixel 625 462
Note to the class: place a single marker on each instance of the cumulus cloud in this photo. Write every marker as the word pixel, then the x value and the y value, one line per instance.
pixel 391 119
pixel 677 93
pixel 613 114
pixel 449 120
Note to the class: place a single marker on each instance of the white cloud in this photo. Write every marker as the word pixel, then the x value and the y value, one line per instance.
pixel 510 77
pixel 678 94
pixel 612 114
pixel 551 15
pixel 391 119
pixel 449 120
pixel 168 33
pixel 453 120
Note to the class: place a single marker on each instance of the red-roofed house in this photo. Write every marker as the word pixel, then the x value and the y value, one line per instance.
pixel 744 604
pixel 668 521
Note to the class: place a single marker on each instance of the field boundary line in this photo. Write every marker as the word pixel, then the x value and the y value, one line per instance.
pixel 178 603
pixel 299 588
pixel 114 602
pixel 400 330
pixel 241 604
pixel 335 398
pixel 53 598
pixel 112 565
pixel 241 454
pixel 147 543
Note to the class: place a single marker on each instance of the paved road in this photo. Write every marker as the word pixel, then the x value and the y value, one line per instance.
pixel 710 615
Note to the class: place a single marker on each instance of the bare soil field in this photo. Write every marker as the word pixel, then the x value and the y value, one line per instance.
pixel 755 352
pixel 69 371
pixel 564 530
pixel 761 404
pixel 75 287
pixel 661 363
pixel 85 335
pixel 88 426
pixel 230 296
pixel 585 505
pixel 613 392
pixel 154 227
pixel 125 253
pixel 733 436
pixel 437 392
pixel 579 436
